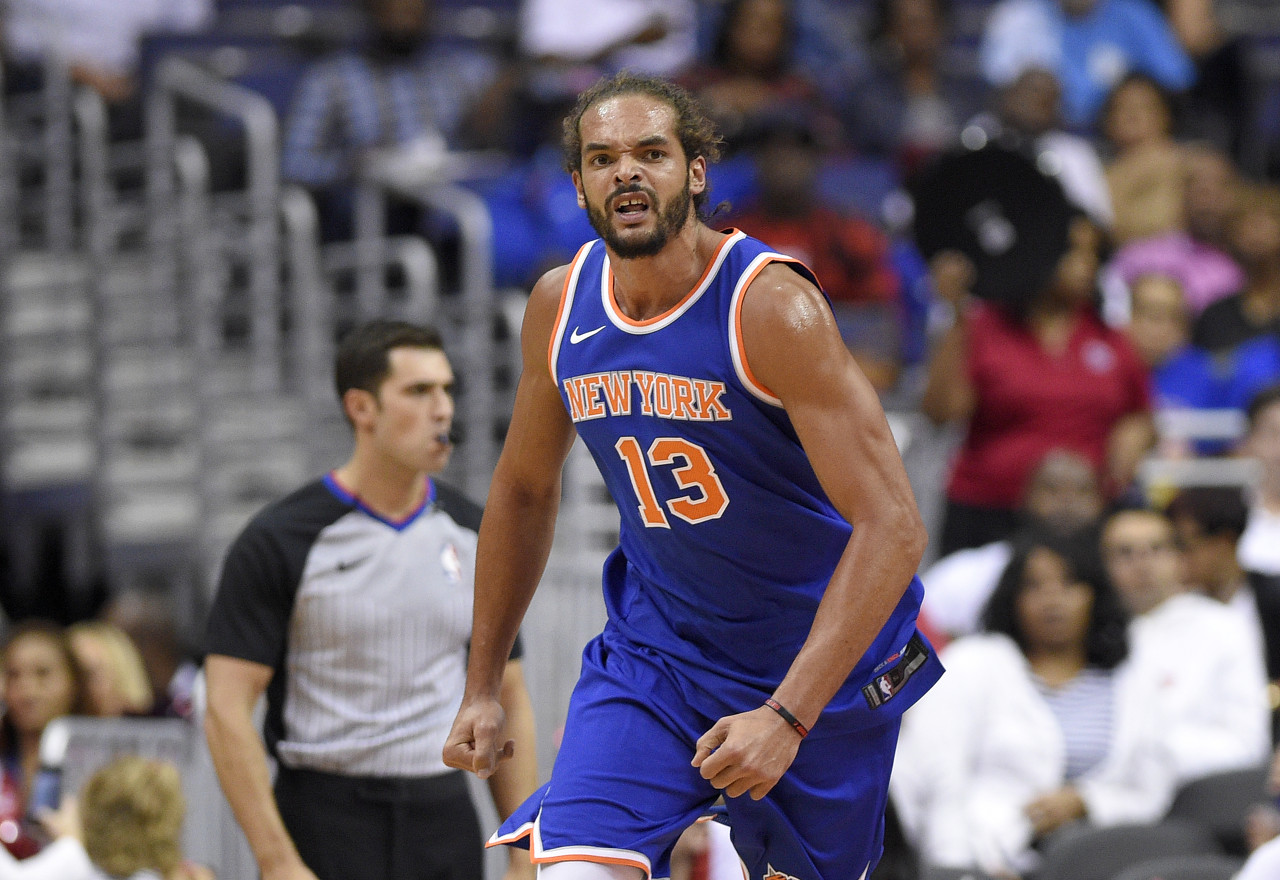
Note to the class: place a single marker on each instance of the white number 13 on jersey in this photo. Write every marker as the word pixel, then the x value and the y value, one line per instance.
pixel 707 500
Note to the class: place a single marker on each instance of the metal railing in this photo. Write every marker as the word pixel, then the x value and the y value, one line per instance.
pixel 474 309
pixel 176 81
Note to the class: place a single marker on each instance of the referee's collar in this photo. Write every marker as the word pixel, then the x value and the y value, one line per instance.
pixel 348 497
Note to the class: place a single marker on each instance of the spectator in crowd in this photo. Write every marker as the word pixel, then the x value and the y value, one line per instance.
pixel 905 103
pixel 42 681
pixel 1063 498
pixel 348 603
pixel 1263 863
pixel 1208 522
pixel 1160 329
pixel 403 91
pixel 1027 117
pixel 1188 645
pixel 1259 549
pixel 568 44
pixel 1196 254
pixel 99 42
pixel 848 253
pixel 1039 722
pixel 1254 234
pixel 115 680
pixel 127 823
pixel 585 39
pixel 1217 107
pixel 1145 172
pixel 1089 44
pixel 148 618
pixel 751 74
pixel 1048 374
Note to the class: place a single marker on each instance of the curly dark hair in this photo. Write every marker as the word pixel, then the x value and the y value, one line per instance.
pixel 695 130
pixel 1107 639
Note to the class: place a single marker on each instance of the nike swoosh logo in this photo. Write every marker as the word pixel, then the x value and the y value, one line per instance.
pixel 350 564
pixel 575 337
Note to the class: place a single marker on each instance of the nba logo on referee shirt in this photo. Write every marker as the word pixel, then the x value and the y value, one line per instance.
pixel 451 564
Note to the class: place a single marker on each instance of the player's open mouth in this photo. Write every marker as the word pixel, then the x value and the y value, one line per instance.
pixel 631 207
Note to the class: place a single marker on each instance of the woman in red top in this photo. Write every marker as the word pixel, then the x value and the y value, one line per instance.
pixel 1049 374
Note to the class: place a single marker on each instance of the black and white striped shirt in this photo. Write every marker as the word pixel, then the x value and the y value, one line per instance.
pixel 1085 710
pixel 365 621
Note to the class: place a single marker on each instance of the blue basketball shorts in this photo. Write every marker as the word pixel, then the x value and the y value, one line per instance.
pixel 623 789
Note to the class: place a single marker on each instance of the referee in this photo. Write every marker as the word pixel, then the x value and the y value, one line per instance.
pixel 349 604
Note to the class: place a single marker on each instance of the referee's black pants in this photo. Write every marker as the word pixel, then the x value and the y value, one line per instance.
pixel 370 828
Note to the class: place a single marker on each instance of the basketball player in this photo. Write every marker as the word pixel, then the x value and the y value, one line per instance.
pixel 764 586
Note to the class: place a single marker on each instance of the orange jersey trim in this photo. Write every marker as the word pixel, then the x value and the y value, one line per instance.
pixel 744 284
pixel 712 265
pixel 577 854
pixel 557 332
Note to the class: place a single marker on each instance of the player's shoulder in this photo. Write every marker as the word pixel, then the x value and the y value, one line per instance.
pixel 547 293
pixel 458 506
pixel 781 295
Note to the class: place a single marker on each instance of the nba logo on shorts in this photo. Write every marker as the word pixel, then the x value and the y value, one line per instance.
pixel 772 873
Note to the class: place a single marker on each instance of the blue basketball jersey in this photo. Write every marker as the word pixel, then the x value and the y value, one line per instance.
pixel 728 540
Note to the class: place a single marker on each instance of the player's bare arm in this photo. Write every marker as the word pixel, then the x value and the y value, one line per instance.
pixel 794 349
pixel 515 535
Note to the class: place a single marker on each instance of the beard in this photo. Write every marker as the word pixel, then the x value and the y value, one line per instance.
pixel 670 220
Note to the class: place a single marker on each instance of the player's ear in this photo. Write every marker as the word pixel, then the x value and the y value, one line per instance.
pixel 698 175
pixel 577 185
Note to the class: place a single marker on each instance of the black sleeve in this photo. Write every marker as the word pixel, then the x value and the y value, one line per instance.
pixel 250 614
pixel 460 508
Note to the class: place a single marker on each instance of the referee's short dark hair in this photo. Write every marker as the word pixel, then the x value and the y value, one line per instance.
pixel 362 362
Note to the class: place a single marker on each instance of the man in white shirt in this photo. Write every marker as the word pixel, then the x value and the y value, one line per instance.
pixel 1198 655
pixel 1259 549
pixel 99 39
pixel 1208 521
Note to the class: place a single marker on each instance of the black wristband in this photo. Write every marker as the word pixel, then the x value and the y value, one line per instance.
pixel 787 717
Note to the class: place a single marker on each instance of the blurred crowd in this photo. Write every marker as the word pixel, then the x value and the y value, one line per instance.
pixel 1111 640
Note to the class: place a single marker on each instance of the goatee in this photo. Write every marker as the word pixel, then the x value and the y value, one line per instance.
pixel 671 219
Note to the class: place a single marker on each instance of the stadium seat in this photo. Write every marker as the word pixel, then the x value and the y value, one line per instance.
pixel 1208 867
pixel 1100 853
pixel 952 874
pixel 1220 803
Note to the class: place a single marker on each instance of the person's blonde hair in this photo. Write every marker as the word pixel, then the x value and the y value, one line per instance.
pixel 131 811
pixel 128 671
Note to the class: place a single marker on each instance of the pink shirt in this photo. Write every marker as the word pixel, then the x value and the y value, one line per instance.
pixel 1206 273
